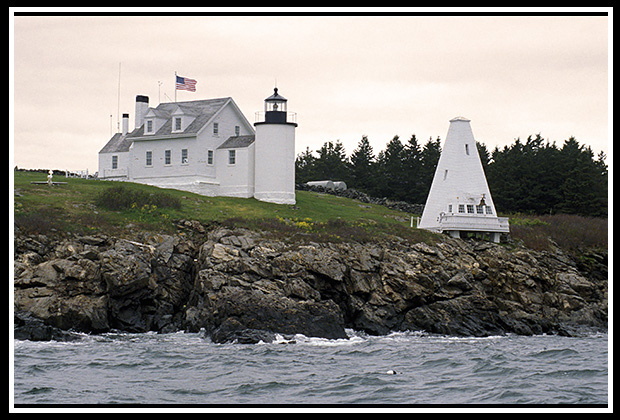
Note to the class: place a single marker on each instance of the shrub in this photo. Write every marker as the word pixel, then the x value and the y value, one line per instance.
pixel 123 198
pixel 569 232
pixel 36 223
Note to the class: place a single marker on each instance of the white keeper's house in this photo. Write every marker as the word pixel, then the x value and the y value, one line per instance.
pixel 207 147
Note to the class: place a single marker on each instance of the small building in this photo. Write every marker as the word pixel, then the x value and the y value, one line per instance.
pixel 207 147
pixel 459 200
pixel 328 185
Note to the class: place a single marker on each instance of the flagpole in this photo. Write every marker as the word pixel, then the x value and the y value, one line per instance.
pixel 175 87
pixel 118 105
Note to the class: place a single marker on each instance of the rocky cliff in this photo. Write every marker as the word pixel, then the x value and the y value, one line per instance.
pixel 241 285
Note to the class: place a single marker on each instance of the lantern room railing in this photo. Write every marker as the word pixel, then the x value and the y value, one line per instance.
pixel 291 117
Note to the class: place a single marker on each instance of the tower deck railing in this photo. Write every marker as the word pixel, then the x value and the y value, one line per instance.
pixel 466 222
pixel 291 117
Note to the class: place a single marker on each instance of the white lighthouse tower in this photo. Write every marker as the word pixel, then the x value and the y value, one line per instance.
pixel 459 199
pixel 275 153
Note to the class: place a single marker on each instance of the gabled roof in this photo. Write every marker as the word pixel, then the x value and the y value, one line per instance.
pixel 237 142
pixel 203 111
pixel 117 144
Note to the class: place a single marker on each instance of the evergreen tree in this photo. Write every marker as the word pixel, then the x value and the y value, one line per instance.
pixel 411 172
pixel 429 157
pixel 534 176
pixel 537 177
pixel 305 163
pixel 391 170
pixel 362 162
pixel 483 152
pixel 584 190
pixel 331 163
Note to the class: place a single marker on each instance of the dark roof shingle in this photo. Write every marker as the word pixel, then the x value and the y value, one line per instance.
pixel 237 142
pixel 202 110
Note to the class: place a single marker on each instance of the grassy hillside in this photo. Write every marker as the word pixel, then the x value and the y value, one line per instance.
pixel 87 206
pixel 121 208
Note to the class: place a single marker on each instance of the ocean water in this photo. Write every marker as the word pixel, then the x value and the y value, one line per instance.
pixel 188 369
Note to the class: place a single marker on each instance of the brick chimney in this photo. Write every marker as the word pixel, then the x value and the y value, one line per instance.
pixel 142 106
pixel 125 124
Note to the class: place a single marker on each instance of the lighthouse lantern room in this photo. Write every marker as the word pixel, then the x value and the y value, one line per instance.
pixel 275 108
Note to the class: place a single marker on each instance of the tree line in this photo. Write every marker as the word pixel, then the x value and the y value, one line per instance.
pixel 533 176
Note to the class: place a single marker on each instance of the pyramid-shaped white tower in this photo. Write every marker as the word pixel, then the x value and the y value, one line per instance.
pixel 459 199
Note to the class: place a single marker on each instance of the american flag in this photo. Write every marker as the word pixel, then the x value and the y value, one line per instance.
pixel 184 83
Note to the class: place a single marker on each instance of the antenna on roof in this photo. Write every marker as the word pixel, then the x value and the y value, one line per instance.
pixel 118 106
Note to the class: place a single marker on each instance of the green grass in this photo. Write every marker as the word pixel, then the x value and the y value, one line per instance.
pixel 77 207
pixel 572 233
pixel 87 206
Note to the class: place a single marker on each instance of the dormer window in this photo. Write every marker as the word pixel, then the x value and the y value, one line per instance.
pixel 181 119
pixel 149 126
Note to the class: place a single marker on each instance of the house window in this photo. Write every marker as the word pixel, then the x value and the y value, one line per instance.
pixel 114 162
pixel 149 158
pixel 232 157
pixel 461 208
pixel 470 208
pixel 489 210
pixel 177 124
pixel 167 157
pixel 237 130
pixel 449 208
pixel 149 126
pixel 209 157
pixel 216 128
pixel 480 209
pixel 184 156
pixel 467 149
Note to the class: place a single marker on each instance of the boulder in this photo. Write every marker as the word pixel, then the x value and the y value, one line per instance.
pixel 239 285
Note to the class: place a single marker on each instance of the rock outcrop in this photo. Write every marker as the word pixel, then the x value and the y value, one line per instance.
pixel 239 285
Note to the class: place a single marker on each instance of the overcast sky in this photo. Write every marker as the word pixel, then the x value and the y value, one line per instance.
pixel 344 76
